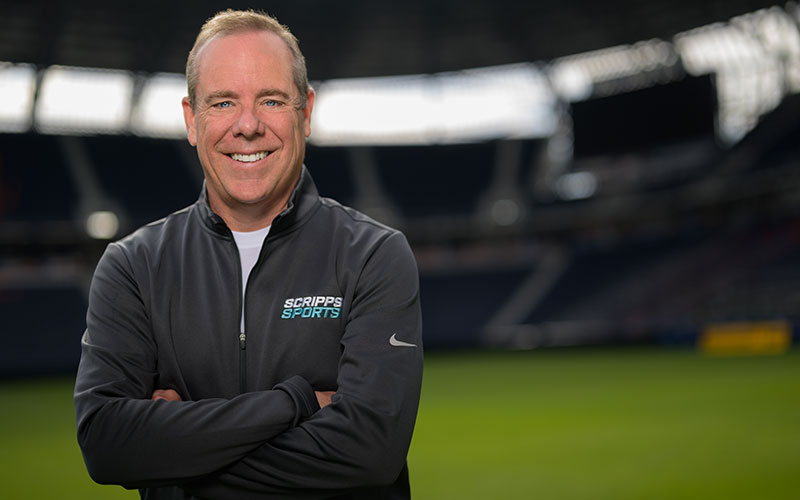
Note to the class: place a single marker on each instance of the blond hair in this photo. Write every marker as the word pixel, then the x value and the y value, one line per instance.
pixel 232 21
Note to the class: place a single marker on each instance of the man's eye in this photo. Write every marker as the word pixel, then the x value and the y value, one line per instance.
pixel 272 103
pixel 223 104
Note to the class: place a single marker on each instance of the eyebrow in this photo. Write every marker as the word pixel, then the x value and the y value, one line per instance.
pixel 219 94
pixel 226 94
pixel 274 92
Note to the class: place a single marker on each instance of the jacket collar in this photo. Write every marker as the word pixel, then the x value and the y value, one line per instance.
pixel 302 203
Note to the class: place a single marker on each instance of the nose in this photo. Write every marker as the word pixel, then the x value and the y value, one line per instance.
pixel 248 124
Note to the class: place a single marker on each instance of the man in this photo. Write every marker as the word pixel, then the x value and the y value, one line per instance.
pixel 263 342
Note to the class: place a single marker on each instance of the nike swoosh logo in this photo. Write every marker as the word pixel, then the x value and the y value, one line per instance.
pixel 399 343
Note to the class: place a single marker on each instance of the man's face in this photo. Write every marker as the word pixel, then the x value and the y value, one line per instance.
pixel 247 124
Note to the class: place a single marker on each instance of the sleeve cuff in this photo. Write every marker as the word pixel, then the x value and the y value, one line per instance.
pixel 302 394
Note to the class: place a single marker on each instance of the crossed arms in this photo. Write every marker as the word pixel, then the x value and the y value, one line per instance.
pixel 284 441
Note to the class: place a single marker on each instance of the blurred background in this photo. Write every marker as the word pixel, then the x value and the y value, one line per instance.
pixel 571 173
pixel 568 173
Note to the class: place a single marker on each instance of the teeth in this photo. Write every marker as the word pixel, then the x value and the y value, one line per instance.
pixel 249 158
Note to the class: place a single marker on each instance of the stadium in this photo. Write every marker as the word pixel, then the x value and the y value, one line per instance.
pixel 603 200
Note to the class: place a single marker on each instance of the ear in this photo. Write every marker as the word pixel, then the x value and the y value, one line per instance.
pixel 307 111
pixel 188 119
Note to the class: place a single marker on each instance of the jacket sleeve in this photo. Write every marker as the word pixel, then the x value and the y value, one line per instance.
pixel 362 438
pixel 130 440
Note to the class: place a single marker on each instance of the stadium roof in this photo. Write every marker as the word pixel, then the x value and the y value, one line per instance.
pixel 356 38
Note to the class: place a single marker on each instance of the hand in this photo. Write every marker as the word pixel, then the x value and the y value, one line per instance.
pixel 324 397
pixel 165 394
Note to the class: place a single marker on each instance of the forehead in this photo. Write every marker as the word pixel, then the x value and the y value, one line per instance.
pixel 250 57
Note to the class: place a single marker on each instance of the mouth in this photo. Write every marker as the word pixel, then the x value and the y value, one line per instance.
pixel 249 158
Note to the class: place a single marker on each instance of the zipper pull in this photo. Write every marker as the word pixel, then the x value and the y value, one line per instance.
pixel 242 341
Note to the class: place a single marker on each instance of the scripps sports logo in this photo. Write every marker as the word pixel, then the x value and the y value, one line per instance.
pixel 320 306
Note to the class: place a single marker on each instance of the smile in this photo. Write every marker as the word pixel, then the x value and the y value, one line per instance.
pixel 249 158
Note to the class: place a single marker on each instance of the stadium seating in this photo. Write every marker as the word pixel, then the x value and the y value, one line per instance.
pixel 658 273
pixel 35 184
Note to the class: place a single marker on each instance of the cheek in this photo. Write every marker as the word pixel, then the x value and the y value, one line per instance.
pixel 210 133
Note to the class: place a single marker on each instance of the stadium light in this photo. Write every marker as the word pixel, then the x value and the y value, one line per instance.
pixel 102 224
pixel 83 100
pixel 575 77
pixel 17 89
pixel 158 111
pixel 487 103
pixel 576 186
pixel 364 110
pixel 756 60
pixel 499 102
pixel 505 212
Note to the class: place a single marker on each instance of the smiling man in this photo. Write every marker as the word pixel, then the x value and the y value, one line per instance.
pixel 263 342
pixel 249 123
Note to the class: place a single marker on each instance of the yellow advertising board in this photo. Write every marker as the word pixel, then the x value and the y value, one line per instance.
pixel 761 337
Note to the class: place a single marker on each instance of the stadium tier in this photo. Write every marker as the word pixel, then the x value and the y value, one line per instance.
pixel 716 242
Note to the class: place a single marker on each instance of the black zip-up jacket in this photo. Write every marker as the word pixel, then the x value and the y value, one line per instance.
pixel 331 304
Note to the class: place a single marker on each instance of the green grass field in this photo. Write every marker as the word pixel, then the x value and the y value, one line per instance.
pixel 553 424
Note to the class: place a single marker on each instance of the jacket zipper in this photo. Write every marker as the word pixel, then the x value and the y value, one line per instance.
pixel 242 310
pixel 242 363
pixel 242 335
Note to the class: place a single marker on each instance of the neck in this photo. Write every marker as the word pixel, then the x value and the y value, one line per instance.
pixel 245 218
pixel 242 223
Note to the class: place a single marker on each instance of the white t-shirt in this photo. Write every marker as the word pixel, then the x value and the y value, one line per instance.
pixel 249 245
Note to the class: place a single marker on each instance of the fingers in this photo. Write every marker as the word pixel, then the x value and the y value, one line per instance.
pixel 324 397
pixel 166 395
